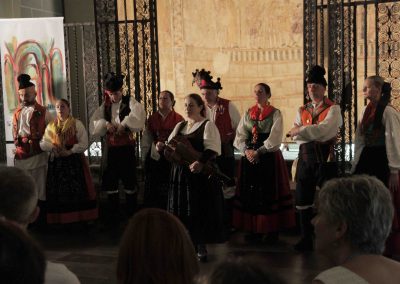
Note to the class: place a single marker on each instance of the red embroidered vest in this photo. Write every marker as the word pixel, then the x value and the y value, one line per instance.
pixel 223 121
pixel 29 146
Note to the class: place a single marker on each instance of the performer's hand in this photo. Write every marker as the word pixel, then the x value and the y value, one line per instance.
pixel 394 182
pixel 252 156
pixel 110 127
pixel 160 146
pixel 196 167
pixel 256 157
pixel 294 131
pixel 248 153
pixel 56 152
pixel 65 153
pixel 120 129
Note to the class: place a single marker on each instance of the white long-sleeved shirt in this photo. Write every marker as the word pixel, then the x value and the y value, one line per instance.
pixel 271 144
pixel 211 137
pixel 322 132
pixel 134 121
pixel 391 122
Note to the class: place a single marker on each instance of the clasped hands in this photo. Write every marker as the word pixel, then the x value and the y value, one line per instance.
pixel 61 152
pixel 252 156
pixel 115 128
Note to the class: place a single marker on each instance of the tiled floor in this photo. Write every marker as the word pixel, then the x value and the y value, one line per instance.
pixel 91 253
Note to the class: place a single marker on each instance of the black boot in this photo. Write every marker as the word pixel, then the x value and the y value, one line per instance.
pixel 306 242
pixel 131 203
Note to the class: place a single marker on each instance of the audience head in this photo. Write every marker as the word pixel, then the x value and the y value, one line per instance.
pixel 21 259
pixel 242 271
pixel 355 211
pixel 18 196
pixel 156 248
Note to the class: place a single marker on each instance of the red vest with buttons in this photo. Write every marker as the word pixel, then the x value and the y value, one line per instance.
pixel 223 121
pixel 28 146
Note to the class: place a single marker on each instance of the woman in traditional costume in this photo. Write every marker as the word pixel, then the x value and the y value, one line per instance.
pixel 377 147
pixel 157 169
pixel 194 197
pixel 264 205
pixel 70 193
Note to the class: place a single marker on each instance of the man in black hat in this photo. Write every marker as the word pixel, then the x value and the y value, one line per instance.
pixel 29 122
pixel 226 116
pixel 118 118
pixel 315 129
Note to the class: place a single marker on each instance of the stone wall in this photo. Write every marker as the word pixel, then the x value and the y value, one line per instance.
pixel 243 42
pixel 31 8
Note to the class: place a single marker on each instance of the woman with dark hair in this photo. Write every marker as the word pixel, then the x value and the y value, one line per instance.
pixel 22 260
pixel 156 248
pixel 353 220
pixel 377 146
pixel 159 126
pixel 70 193
pixel 194 197
pixel 264 206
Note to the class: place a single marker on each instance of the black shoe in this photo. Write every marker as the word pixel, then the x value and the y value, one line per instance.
pixel 304 245
pixel 202 253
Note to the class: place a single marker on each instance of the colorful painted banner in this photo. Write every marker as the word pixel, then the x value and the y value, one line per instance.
pixel 34 46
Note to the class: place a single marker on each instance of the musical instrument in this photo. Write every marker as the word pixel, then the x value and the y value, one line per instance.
pixel 179 150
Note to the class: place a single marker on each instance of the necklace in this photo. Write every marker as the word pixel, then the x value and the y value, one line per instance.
pixel 190 124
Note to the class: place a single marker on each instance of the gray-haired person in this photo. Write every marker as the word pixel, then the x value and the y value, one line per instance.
pixel 353 221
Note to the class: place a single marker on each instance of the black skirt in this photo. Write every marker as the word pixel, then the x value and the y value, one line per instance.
pixel 198 202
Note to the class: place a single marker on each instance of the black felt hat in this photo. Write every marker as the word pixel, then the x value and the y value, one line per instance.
pixel 24 81
pixel 316 75
pixel 113 82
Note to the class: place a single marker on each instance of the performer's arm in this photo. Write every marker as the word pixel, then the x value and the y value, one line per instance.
pixel 98 124
pixel 359 144
pixel 241 135
pixel 273 142
pixel 137 117
pixel 146 142
pixel 391 121
pixel 212 139
pixel 82 137
pixel 325 130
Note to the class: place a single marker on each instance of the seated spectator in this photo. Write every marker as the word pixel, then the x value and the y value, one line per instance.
pixel 22 260
pixel 353 221
pixel 156 248
pixel 241 271
pixel 18 204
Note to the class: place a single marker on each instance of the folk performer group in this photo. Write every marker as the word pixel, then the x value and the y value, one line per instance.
pixel 190 167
